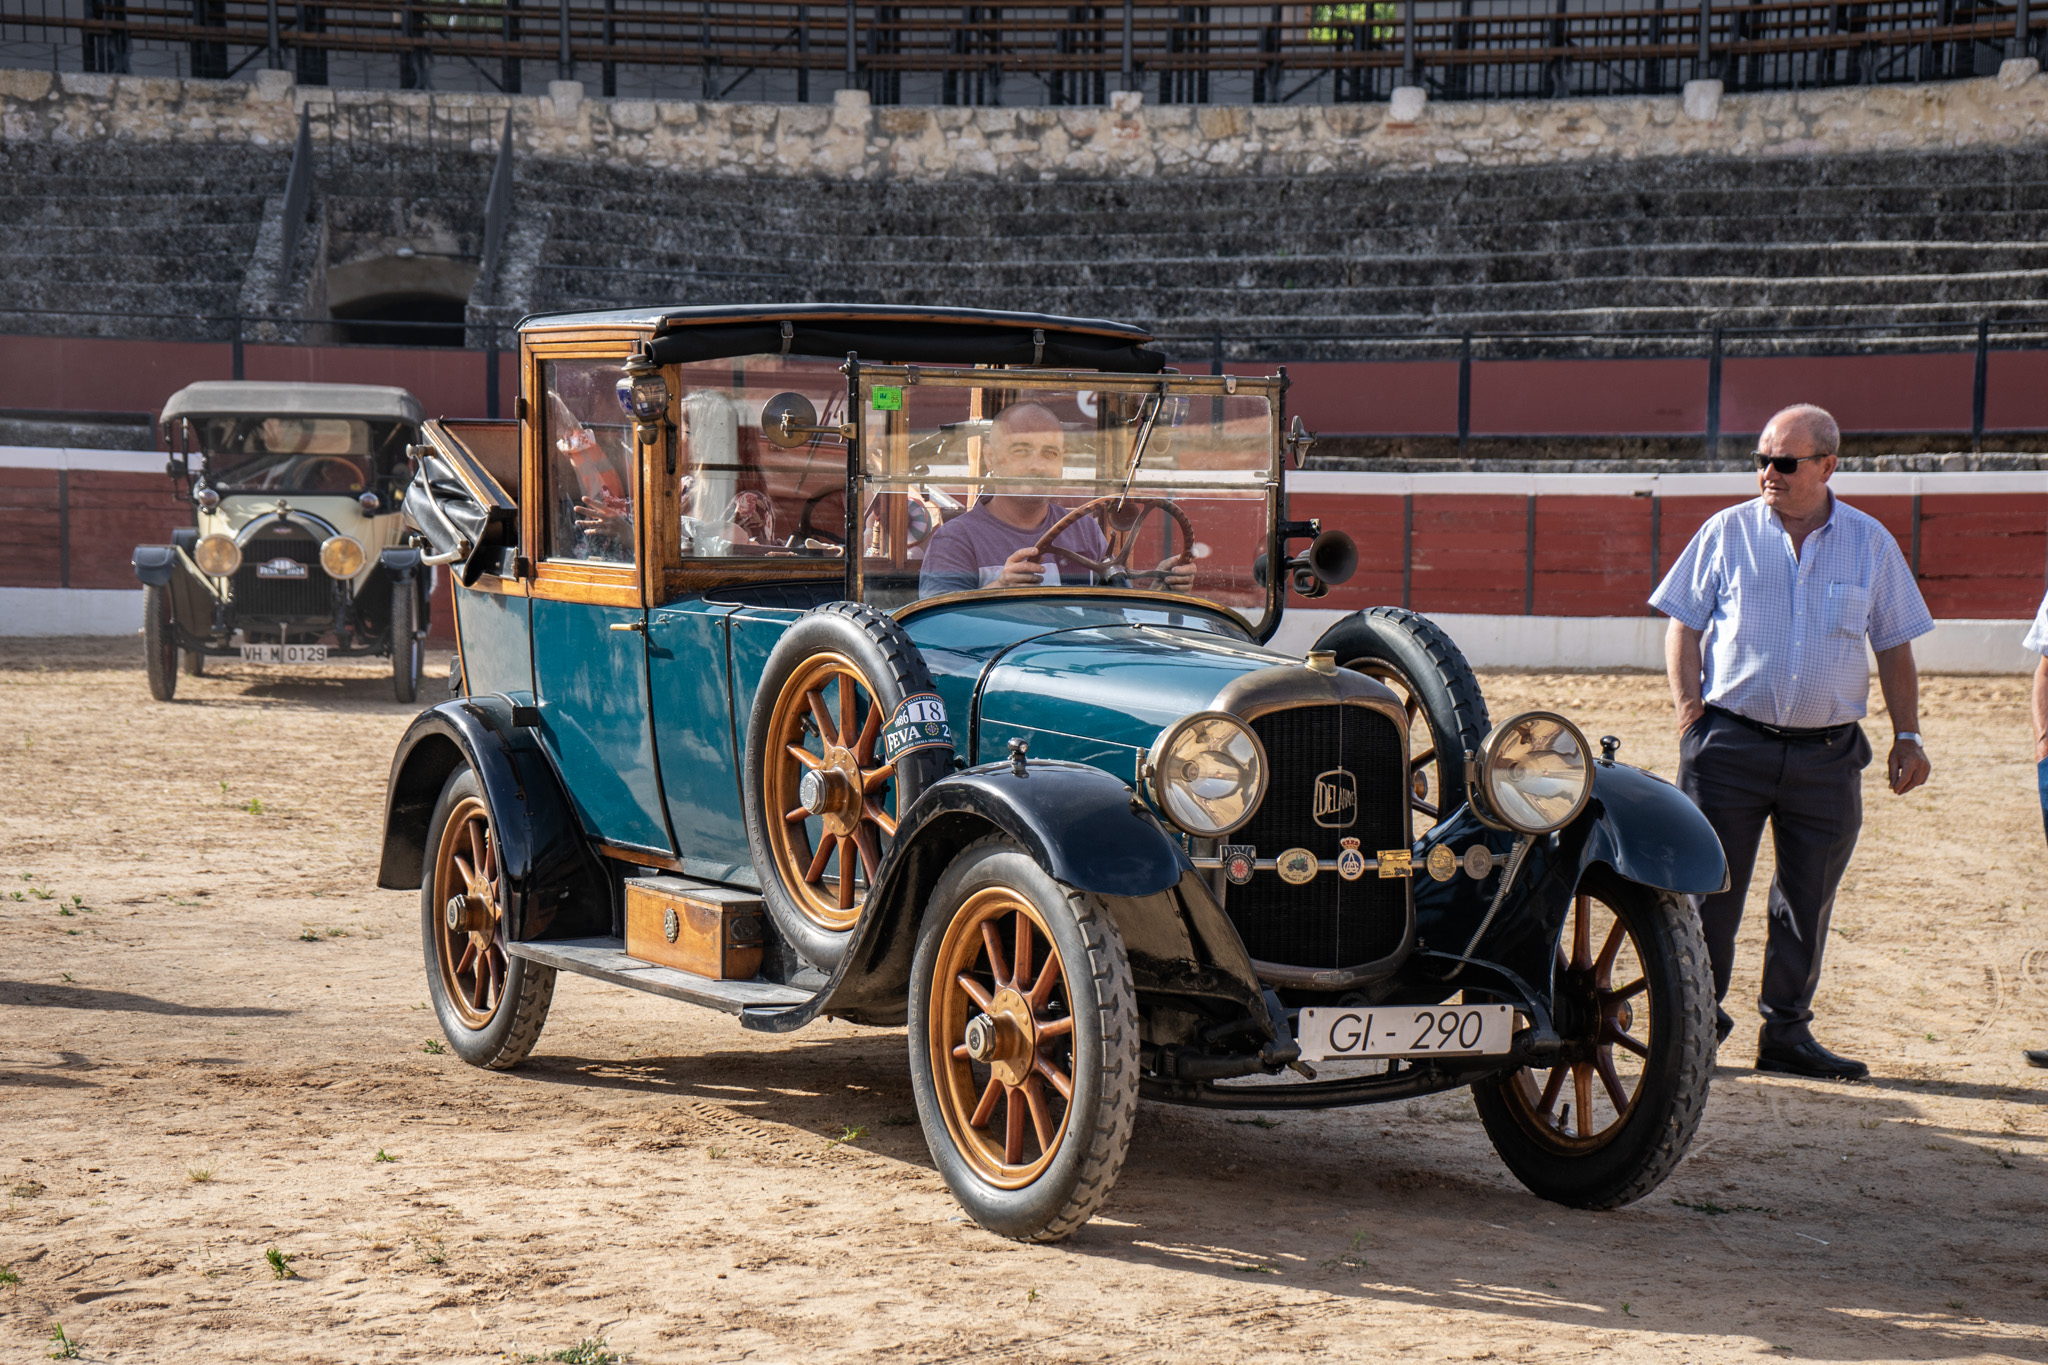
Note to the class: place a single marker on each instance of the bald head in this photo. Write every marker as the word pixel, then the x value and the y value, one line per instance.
pixel 1035 418
pixel 1805 425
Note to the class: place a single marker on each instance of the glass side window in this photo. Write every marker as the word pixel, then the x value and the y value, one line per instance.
pixel 741 495
pixel 588 446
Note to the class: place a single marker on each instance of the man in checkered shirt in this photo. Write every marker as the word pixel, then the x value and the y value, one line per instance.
pixel 1770 607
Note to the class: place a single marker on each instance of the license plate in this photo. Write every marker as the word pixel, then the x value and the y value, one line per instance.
pixel 284 654
pixel 1331 1032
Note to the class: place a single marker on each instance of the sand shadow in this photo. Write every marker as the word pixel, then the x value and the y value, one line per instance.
pixel 71 997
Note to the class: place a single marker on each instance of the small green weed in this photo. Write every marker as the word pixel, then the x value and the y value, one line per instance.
pixel 1351 1258
pixel 1258 1269
pixel 62 1347
pixel 223 786
pixel 1709 1207
pixel 68 977
pixel 433 1047
pixel 715 1153
pixel 16 896
pixel 254 806
pixel 383 1155
pixel 589 1351
pixel 64 910
pixel 280 1264
pixel 1260 1122
pixel 1956 1306
pixel 309 935
pixel 7 1275
pixel 40 894
pixel 199 1175
pixel 849 1133
pixel 1625 1310
pixel 1031 1296
pixel 337 933
pixel 1929 1037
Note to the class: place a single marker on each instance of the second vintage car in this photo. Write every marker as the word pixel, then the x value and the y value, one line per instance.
pixel 297 550
pixel 907 666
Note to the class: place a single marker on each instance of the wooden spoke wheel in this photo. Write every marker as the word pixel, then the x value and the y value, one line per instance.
pixel 1597 990
pixel 1632 1000
pixel 1002 1034
pixel 826 791
pixel 1023 1043
pixel 490 1005
pixel 1426 765
pixel 467 939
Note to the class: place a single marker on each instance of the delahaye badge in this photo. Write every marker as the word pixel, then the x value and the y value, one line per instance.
pixel 1239 862
pixel 1295 866
pixel 1350 862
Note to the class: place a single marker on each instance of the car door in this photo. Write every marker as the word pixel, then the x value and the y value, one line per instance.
pixel 493 618
pixel 589 616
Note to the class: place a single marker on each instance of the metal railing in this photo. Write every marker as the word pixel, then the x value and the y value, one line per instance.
pixel 920 52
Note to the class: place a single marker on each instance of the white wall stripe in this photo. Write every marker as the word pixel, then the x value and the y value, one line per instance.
pixel 105 461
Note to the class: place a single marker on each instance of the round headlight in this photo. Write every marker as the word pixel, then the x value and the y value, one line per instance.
pixel 341 556
pixel 217 555
pixel 1208 773
pixel 1535 772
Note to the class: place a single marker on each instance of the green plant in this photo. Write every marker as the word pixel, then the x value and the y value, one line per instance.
pixel 1956 1306
pixel 337 933
pixel 589 1351
pixel 64 910
pixel 715 1153
pixel 1031 1296
pixel 1625 1311
pixel 1258 1269
pixel 280 1264
pixel 254 806
pixel 1261 1121
pixel 433 1047
pixel 223 786
pixel 383 1155
pixel 40 894
pixel 849 1133
pixel 62 1347
pixel 307 935
pixel 1349 1258
pixel 199 1175
pixel 67 976
pixel 7 1275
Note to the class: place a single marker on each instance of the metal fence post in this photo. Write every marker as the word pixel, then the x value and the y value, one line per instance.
pixel 1978 383
pixel 851 38
pixel 2022 33
pixel 1408 43
pixel 1706 64
pixel 803 47
pixel 1464 390
pixel 1130 72
pixel 491 374
pixel 1714 398
pixel 565 65
pixel 276 57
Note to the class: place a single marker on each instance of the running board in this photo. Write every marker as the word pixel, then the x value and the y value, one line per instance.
pixel 606 959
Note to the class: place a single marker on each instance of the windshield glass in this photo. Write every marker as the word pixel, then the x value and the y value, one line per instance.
pixel 1005 481
pixel 250 454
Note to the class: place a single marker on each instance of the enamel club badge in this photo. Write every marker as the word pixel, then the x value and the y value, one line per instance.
pixel 919 722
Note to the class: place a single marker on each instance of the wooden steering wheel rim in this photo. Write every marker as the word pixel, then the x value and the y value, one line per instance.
pixel 1144 505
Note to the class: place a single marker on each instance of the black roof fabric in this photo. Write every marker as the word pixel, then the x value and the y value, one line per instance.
pixel 920 342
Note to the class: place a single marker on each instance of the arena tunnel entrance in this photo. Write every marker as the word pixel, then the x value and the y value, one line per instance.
pixel 406 299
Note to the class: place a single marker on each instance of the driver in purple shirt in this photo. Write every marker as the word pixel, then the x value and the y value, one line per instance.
pixel 991 544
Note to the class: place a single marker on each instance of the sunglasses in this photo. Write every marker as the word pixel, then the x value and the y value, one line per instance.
pixel 1784 464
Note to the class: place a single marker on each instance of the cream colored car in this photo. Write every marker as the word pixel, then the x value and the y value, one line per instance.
pixel 298 549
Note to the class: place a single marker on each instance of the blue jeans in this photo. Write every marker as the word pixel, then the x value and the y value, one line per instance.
pixel 2041 777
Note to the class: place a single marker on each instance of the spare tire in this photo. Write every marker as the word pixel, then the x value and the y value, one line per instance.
pixel 1446 711
pixel 846 731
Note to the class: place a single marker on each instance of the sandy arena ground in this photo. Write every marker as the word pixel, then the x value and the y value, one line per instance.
pixel 212 1025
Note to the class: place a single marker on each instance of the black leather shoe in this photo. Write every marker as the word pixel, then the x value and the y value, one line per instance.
pixel 2037 1056
pixel 1723 1025
pixel 1808 1059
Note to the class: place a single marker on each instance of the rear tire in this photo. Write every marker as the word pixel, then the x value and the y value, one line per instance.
pixel 407 650
pixel 490 1005
pixel 192 663
pixel 159 642
pixel 1411 654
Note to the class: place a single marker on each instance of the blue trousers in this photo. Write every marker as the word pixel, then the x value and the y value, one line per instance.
pixel 1811 792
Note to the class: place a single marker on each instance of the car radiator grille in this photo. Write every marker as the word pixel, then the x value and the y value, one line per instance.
pixel 312 595
pixel 1328 922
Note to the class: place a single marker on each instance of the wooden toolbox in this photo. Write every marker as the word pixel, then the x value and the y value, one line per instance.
pixel 713 931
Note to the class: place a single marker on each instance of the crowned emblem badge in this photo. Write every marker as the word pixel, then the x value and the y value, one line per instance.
pixel 1350 862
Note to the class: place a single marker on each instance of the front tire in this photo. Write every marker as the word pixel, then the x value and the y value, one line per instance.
pixel 159 642
pixel 491 1005
pixel 1023 1044
pixel 407 649
pixel 1633 998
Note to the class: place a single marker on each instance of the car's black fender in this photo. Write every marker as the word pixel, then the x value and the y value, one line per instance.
pixel 1089 831
pixel 553 887
pixel 1650 832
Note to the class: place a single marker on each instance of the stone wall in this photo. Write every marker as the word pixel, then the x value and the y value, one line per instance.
pixel 849 140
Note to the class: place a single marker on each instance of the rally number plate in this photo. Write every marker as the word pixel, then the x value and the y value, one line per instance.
pixel 1331 1032
pixel 284 654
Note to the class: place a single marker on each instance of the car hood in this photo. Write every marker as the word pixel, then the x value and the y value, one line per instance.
pixel 1075 677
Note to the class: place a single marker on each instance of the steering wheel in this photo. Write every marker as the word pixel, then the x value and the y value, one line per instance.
pixel 308 474
pixel 1120 518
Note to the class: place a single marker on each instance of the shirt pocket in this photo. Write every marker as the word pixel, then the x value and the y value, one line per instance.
pixel 1848 611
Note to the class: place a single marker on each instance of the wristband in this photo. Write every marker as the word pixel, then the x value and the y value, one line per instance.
pixel 1913 735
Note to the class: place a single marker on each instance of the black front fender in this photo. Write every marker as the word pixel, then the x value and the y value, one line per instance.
pixel 1650 832
pixel 1088 831
pixel 552 886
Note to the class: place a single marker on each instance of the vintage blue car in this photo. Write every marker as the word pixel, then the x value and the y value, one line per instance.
pixel 906 666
